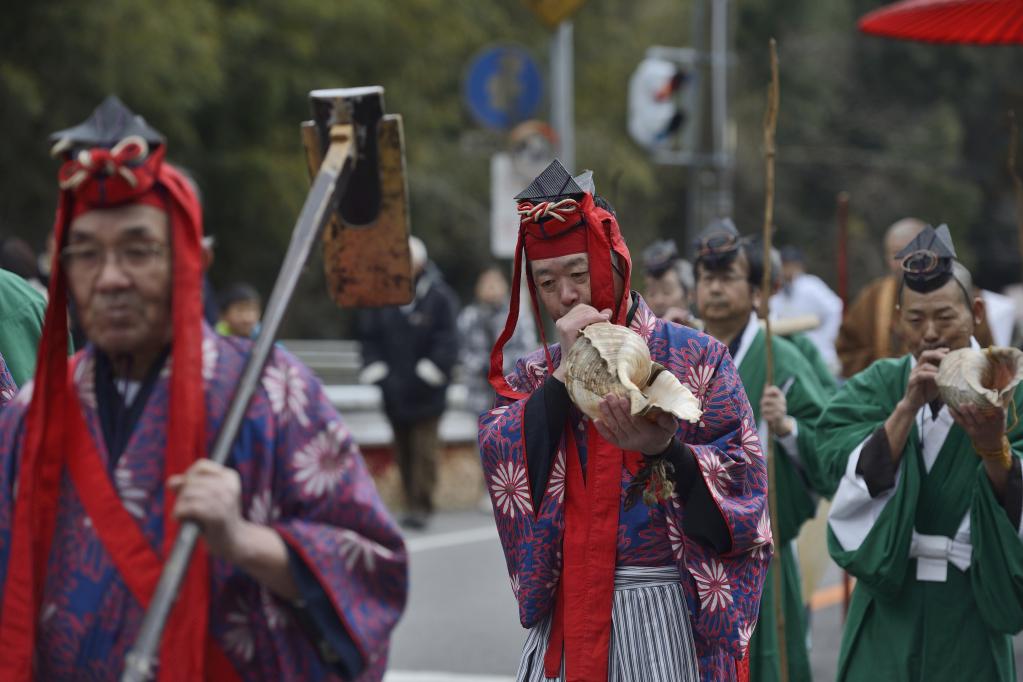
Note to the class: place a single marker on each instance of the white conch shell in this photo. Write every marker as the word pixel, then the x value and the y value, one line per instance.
pixel 609 359
pixel 985 378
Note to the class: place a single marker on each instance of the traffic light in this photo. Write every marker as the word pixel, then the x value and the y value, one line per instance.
pixel 662 101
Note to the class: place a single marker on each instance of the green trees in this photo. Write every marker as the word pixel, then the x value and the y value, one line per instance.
pixel 906 128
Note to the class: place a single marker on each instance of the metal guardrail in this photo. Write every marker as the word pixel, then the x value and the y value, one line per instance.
pixel 337 364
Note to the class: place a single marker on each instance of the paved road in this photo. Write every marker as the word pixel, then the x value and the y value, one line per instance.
pixel 461 624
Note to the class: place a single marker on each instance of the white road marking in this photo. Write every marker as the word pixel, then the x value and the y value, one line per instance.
pixel 452 539
pixel 404 676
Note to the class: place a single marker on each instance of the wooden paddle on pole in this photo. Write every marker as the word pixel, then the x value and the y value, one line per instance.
pixel 348 165
pixel 770 125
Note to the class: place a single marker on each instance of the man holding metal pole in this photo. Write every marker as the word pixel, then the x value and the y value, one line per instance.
pixel 299 572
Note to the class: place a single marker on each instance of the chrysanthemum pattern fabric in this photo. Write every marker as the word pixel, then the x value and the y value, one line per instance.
pixel 723 591
pixel 301 473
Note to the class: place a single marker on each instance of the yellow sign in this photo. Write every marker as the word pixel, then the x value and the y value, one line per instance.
pixel 553 12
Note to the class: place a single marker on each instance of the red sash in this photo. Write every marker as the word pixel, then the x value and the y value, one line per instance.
pixel 581 626
pixel 185 639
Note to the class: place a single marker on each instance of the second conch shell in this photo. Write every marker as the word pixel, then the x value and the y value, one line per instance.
pixel 984 378
pixel 609 359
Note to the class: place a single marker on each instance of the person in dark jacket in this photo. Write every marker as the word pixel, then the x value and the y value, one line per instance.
pixel 410 351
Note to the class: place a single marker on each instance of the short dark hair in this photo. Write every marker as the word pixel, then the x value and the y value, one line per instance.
pixel 238 293
pixel 604 204
pixel 754 263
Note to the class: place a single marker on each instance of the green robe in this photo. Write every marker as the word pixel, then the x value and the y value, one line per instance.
pixel 21 324
pixel 900 627
pixel 797 503
pixel 813 356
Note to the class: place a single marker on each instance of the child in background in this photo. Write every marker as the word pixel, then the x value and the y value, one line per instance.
pixel 240 310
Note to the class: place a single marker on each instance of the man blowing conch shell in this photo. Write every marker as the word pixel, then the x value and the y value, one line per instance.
pixel 592 566
pixel 927 515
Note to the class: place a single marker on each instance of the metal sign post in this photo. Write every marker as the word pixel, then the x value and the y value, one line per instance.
pixel 563 94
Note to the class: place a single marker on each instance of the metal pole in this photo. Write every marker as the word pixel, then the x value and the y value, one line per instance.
pixel 721 155
pixel 330 184
pixel 563 94
pixel 697 196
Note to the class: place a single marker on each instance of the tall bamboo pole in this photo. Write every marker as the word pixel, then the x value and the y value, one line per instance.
pixel 770 125
pixel 842 216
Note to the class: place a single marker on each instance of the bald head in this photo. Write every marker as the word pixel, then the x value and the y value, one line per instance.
pixel 897 237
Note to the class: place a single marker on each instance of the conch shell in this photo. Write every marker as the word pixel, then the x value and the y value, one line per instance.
pixel 609 359
pixel 985 378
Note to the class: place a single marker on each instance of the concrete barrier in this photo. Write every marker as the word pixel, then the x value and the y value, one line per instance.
pixel 459 477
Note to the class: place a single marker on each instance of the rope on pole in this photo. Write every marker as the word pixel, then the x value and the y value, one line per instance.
pixel 770 126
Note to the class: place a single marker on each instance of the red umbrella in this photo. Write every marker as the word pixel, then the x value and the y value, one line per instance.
pixel 977 22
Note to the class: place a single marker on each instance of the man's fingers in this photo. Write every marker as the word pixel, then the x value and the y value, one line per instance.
pixel 603 430
pixel 616 420
pixel 933 356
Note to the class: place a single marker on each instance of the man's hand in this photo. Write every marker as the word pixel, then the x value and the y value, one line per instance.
pixel 619 426
pixel 210 495
pixel 774 410
pixel 569 327
pixel 922 389
pixel 984 427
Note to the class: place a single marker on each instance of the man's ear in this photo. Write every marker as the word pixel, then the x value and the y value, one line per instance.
pixel 979 311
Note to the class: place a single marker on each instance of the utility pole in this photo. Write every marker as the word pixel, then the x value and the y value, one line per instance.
pixel 712 171
pixel 563 94
pixel 723 157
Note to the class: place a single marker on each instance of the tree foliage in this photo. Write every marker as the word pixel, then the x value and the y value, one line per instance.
pixel 907 129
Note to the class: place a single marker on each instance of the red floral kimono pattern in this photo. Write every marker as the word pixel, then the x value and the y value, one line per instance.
pixel 723 591
pixel 301 473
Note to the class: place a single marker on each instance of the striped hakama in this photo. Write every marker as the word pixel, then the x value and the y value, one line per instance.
pixel 651 637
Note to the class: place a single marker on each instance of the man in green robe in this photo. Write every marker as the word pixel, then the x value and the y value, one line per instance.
pixel 813 356
pixel 21 324
pixel 927 511
pixel 728 279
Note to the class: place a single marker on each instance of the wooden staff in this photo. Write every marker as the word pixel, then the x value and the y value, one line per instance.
pixel 1017 184
pixel 770 125
pixel 842 216
pixel 842 219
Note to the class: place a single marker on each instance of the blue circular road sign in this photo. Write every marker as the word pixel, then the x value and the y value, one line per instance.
pixel 503 87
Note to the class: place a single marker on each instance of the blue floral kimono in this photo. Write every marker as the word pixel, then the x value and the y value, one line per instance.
pixel 722 589
pixel 301 474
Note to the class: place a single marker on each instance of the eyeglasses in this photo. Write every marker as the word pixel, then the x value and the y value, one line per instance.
pixel 132 257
